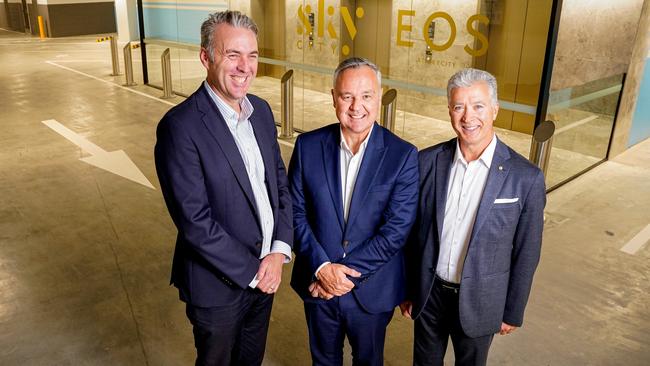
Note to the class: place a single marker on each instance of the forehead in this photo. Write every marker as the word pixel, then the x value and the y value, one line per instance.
pixel 229 36
pixel 477 91
pixel 357 79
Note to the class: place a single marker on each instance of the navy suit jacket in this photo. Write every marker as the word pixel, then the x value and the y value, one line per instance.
pixel 210 199
pixel 505 242
pixel 380 216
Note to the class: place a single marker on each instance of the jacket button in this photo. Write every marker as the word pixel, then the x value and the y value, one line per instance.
pixel 258 244
pixel 345 243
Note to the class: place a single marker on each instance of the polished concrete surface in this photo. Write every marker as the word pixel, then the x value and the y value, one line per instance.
pixel 85 253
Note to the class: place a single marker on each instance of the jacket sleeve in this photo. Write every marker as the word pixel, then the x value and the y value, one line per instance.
pixel 525 252
pixel 180 171
pixel 306 245
pixel 398 218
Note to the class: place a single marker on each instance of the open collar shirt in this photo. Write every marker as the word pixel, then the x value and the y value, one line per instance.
pixel 464 192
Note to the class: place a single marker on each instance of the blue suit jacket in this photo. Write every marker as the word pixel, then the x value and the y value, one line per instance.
pixel 210 199
pixel 505 242
pixel 381 213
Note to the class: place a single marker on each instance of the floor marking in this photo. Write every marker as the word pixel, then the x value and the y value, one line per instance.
pixel 576 124
pixel 116 162
pixel 638 241
pixel 111 83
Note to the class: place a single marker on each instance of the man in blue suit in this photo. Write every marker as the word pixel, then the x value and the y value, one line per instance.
pixel 478 233
pixel 354 190
pixel 226 189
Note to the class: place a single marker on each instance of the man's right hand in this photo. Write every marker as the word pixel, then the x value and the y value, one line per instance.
pixel 406 307
pixel 333 278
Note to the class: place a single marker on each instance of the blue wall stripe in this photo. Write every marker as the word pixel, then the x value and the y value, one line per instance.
pixel 177 25
pixel 641 120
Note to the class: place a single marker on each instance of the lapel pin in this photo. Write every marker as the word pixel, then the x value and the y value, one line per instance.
pixel 500 167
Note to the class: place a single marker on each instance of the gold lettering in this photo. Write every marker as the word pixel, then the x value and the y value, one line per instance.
pixel 401 27
pixel 452 35
pixel 479 36
pixel 299 44
pixel 321 17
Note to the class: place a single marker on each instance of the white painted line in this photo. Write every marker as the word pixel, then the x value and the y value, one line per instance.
pixel 116 162
pixel 575 124
pixel 111 83
pixel 638 241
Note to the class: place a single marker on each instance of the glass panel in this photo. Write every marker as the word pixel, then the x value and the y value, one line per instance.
pixel 590 60
pixel 418 45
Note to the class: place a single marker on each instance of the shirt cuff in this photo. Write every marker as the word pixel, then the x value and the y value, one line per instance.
pixel 319 268
pixel 278 246
pixel 254 282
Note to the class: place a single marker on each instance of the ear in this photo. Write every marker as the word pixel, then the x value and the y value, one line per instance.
pixel 333 97
pixel 496 111
pixel 205 58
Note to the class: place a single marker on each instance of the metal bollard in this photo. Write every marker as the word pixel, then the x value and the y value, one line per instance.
pixel 114 57
pixel 540 148
pixel 128 65
pixel 388 109
pixel 165 60
pixel 286 121
pixel 41 27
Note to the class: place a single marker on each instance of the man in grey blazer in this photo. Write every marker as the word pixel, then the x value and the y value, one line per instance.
pixel 476 241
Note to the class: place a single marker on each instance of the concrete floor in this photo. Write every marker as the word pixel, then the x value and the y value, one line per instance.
pixel 85 254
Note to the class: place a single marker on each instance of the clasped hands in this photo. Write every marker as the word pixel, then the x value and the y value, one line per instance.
pixel 332 280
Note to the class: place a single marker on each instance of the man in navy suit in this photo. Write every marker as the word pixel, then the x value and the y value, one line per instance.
pixel 478 233
pixel 226 189
pixel 354 190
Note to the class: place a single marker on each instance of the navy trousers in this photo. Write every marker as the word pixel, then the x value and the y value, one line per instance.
pixel 329 322
pixel 234 334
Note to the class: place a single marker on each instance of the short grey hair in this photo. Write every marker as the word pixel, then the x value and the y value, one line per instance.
pixel 468 77
pixel 355 63
pixel 233 18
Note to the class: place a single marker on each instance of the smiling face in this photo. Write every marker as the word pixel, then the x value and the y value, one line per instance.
pixel 356 100
pixel 234 64
pixel 472 117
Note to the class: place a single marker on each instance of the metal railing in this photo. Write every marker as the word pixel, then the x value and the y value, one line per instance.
pixel 540 147
pixel 286 121
pixel 115 60
pixel 128 65
pixel 165 60
pixel 388 109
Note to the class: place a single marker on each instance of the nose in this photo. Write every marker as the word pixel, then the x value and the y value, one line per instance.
pixel 356 104
pixel 467 114
pixel 243 63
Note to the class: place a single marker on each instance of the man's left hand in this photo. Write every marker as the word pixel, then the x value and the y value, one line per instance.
pixel 270 273
pixel 507 329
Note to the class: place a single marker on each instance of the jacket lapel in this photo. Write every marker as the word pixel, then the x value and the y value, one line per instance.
pixel 372 160
pixel 443 168
pixel 217 127
pixel 332 167
pixel 496 177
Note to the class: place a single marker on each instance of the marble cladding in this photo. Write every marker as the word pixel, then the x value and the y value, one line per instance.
pixel 629 99
pixel 595 40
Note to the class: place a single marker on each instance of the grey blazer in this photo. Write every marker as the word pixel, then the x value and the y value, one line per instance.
pixel 505 243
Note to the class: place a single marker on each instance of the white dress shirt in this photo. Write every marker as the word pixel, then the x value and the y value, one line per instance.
pixel 464 192
pixel 349 165
pixel 242 131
